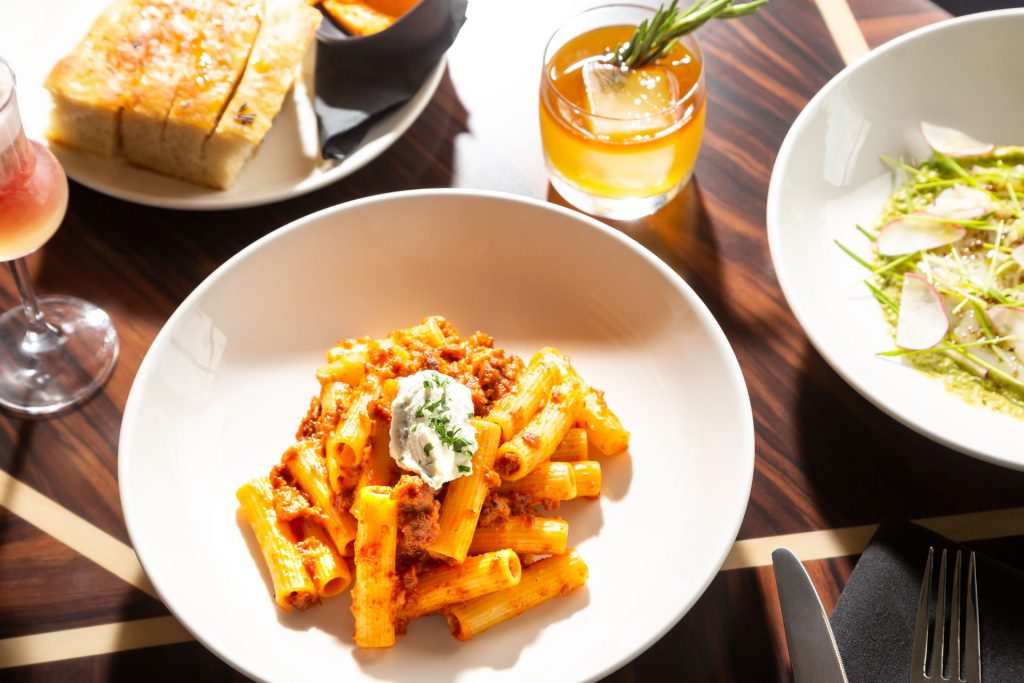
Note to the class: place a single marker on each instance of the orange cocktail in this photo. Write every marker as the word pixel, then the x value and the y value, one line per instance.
pixel 619 143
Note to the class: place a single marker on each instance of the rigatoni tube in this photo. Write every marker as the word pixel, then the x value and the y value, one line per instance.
pixel 478 575
pixel 293 586
pixel 307 467
pixel 373 591
pixel 588 478
pixel 604 430
pixel 515 409
pixel 540 437
pixel 464 498
pixel 548 481
pixel 523 534
pixel 541 581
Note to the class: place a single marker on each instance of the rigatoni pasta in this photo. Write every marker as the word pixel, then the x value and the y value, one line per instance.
pixel 293 586
pixel 422 475
pixel 464 498
pixel 524 534
pixel 478 575
pixel 540 582
pixel 373 593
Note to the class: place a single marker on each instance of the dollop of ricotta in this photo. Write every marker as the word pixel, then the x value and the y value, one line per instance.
pixel 430 430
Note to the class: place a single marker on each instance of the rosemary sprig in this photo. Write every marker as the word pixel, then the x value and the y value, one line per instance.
pixel 655 37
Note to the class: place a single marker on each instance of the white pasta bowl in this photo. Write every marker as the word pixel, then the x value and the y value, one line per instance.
pixel 828 178
pixel 220 394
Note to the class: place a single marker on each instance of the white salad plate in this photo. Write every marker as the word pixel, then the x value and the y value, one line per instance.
pixel 226 382
pixel 828 178
pixel 34 35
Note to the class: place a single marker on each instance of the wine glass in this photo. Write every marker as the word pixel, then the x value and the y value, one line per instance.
pixel 55 351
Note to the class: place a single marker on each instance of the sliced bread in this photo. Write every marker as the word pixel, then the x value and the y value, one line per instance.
pixel 225 42
pixel 283 39
pixel 88 83
pixel 169 31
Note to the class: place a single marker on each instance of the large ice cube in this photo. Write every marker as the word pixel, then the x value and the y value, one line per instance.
pixel 628 102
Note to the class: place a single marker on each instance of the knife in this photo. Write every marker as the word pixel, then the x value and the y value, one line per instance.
pixel 812 648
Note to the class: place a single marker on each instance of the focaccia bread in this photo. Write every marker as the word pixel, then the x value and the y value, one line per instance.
pixel 273 65
pixel 88 83
pixel 217 63
pixel 187 88
pixel 174 26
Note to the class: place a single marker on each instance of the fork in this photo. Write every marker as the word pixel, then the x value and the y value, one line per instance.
pixel 972 638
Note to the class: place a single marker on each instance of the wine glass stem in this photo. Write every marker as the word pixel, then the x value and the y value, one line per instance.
pixel 19 268
pixel 40 337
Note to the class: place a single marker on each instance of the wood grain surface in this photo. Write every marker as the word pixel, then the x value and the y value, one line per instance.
pixel 826 458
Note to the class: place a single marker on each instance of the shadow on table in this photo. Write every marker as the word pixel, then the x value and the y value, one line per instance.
pixel 728 627
pixel 21 444
pixel 166 663
pixel 681 235
pixel 862 466
pixel 674 234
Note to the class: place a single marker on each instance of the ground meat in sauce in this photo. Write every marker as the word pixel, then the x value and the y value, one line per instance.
pixel 417 517
pixel 300 602
pixel 529 438
pixel 290 503
pixel 507 463
pixel 308 427
pixel 379 409
pixel 409 572
pixel 333 398
pixel 499 506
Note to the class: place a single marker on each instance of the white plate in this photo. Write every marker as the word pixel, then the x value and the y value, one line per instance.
pixel 221 391
pixel 828 177
pixel 35 34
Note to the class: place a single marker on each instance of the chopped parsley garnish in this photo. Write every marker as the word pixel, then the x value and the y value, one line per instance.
pixel 465 468
pixel 440 419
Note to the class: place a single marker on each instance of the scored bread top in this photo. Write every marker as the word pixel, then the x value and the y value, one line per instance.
pixel 167 30
pixel 218 59
pixel 216 63
pixel 283 39
pixel 104 61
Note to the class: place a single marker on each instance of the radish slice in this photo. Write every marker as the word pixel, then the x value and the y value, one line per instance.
pixel 915 232
pixel 923 320
pixel 962 203
pixel 1009 322
pixel 954 143
pixel 1018 254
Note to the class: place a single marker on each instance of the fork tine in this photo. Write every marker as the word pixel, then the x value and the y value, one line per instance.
pixel 954 624
pixel 917 657
pixel 940 620
pixel 972 636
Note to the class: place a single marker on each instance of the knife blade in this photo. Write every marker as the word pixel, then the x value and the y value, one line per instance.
pixel 812 647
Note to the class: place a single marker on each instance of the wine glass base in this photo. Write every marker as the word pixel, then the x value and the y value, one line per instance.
pixel 43 373
pixel 613 208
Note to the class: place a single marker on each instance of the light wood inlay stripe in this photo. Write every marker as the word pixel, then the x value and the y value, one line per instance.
pixel 73 531
pixel 90 641
pixel 821 545
pixel 844 29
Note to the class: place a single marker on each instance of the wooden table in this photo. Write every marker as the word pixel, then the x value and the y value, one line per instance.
pixel 73 602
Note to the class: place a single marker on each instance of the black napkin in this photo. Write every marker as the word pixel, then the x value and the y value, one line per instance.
pixel 361 78
pixel 873 621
